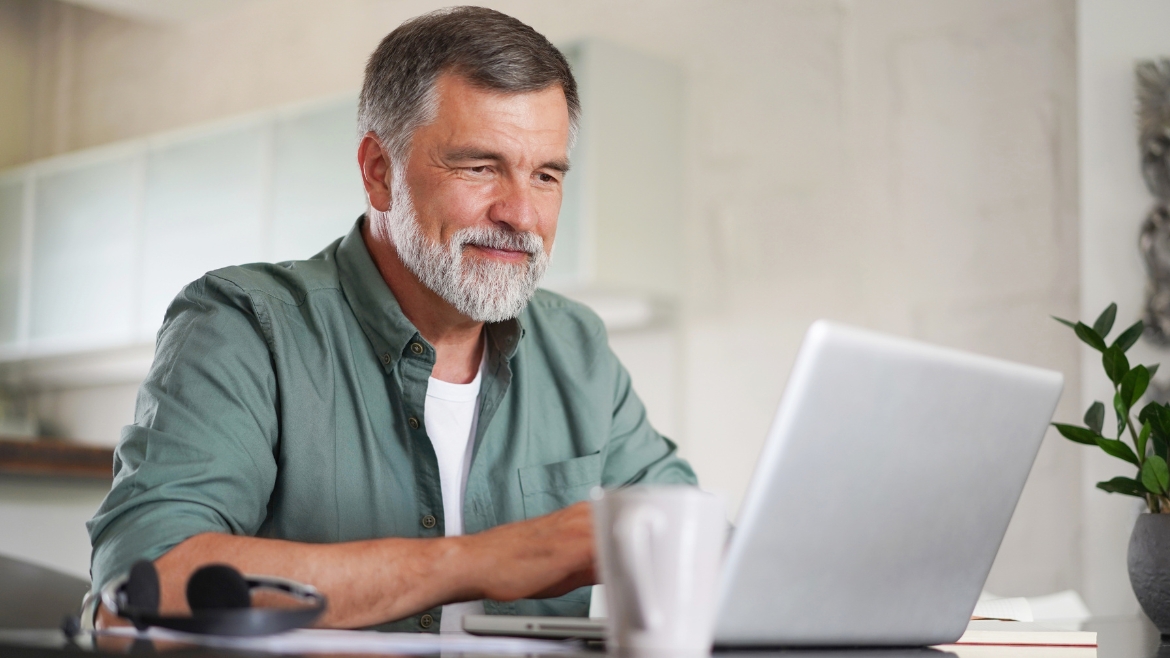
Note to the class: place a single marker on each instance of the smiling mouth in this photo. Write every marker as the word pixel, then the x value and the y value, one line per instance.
pixel 500 254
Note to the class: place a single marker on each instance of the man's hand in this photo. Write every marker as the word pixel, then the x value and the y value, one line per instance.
pixel 539 558
pixel 379 580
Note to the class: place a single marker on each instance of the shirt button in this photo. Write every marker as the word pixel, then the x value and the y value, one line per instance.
pixel 428 521
pixel 417 348
pixel 413 422
pixel 386 358
pixel 426 621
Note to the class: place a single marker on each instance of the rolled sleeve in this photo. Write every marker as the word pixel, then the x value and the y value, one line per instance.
pixel 636 453
pixel 199 456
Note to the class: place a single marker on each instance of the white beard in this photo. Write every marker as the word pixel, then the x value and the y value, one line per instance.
pixel 483 290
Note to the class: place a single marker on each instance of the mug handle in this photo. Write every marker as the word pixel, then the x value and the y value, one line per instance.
pixel 636 529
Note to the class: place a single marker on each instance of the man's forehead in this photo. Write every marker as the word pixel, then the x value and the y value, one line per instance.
pixel 470 107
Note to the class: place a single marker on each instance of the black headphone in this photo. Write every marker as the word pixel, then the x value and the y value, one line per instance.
pixel 220 599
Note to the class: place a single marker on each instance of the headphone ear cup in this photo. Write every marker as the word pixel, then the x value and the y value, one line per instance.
pixel 218 587
pixel 142 588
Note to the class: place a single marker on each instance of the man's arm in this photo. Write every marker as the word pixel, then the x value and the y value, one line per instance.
pixel 196 471
pixel 369 582
pixel 636 453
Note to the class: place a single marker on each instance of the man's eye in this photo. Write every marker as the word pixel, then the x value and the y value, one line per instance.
pixel 546 178
pixel 480 169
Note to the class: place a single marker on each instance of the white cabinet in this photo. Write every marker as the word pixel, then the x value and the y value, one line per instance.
pixel 95 245
pixel 317 187
pixel 81 288
pixel 204 207
pixel 11 261
pixel 620 226
pixel 112 234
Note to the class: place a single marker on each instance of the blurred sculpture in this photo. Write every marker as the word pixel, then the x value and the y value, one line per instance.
pixel 1155 246
pixel 1153 92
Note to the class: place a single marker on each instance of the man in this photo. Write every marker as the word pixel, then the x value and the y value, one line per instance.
pixel 403 421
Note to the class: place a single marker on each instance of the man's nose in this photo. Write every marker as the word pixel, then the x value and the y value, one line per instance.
pixel 515 206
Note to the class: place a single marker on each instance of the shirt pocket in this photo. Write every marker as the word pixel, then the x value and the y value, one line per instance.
pixel 550 487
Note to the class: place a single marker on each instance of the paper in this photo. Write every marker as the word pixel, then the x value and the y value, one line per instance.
pixel 1063 606
pixel 1010 609
pixel 1066 609
pixel 1039 638
pixel 356 642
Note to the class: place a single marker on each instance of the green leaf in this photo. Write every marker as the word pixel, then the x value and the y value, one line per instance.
pixel 1129 337
pixel 1163 413
pixel 1134 384
pixel 1095 417
pixel 1120 485
pixel 1118 449
pixel 1127 486
pixel 1143 437
pixel 1159 416
pixel 1116 365
pixel 1070 325
pixel 1155 475
pixel 1153 370
pixel 1089 337
pixel 1078 434
pixel 1148 412
pixel 1122 410
pixel 1104 323
pixel 1152 414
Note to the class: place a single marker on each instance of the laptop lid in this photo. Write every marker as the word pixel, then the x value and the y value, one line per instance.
pixel 882 493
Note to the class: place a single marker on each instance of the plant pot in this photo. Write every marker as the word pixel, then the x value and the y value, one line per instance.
pixel 1149 567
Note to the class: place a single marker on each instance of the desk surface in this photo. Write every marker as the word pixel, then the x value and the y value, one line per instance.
pixel 1118 637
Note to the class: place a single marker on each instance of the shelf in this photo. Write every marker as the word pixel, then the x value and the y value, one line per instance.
pixel 55 459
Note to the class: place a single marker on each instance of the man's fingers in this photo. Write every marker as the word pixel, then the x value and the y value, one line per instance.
pixel 540 558
pixel 582 578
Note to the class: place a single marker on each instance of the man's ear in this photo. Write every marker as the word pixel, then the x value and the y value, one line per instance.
pixel 374 163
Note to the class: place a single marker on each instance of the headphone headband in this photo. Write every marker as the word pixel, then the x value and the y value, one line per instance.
pixel 247 621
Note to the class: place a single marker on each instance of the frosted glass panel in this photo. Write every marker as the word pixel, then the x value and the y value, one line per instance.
pixel 567 262
pixel 83 260
pixel 317 187
pixel 204 205
pixel 11 202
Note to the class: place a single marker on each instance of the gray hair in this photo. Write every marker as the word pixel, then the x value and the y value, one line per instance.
pixel 490 49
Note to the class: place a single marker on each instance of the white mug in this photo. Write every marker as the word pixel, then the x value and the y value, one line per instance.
pixel 660 549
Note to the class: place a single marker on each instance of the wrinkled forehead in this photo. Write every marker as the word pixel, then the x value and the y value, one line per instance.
pixel 536 122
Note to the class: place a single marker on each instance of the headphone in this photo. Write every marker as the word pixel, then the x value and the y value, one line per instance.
pixel 220 599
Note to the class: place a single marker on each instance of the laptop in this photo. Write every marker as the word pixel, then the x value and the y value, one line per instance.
pixel 879 501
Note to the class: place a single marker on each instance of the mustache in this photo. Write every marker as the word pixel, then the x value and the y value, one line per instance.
pixel 497 238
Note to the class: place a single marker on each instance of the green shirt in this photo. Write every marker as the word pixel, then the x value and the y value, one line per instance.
pixel 286 400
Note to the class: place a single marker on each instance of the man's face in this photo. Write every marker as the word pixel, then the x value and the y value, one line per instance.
pixel 490 159
pixel 473 211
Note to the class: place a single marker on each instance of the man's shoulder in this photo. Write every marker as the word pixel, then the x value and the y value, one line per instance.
pixel 289 282
pixel 554 316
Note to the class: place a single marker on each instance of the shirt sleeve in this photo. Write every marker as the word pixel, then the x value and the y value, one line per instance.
pixel 636 453
pixel 199 456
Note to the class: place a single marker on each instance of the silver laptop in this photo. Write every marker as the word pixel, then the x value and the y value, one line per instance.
pixel 879 501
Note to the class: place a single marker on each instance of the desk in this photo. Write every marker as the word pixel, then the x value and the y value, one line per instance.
pixel 1117 637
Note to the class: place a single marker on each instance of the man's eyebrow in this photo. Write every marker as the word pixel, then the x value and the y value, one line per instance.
pixel 473 153
pixel 557 165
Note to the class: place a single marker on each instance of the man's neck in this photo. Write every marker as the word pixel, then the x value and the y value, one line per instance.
pixel 457 339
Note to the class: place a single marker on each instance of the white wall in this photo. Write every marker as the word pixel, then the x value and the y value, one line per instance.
pixel 1112 35
pixel 907 165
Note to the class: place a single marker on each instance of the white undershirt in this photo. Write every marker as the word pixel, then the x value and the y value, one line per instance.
pixel 450 414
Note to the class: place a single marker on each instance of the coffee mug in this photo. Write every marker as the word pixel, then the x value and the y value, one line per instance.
pixel 660 549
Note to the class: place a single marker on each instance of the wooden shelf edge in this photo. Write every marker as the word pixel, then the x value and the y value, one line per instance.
pixel 54 458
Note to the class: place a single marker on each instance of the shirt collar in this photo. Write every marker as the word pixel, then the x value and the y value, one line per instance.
pixel 380 316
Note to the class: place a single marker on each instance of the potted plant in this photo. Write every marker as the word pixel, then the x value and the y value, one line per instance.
pixel 1145 444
